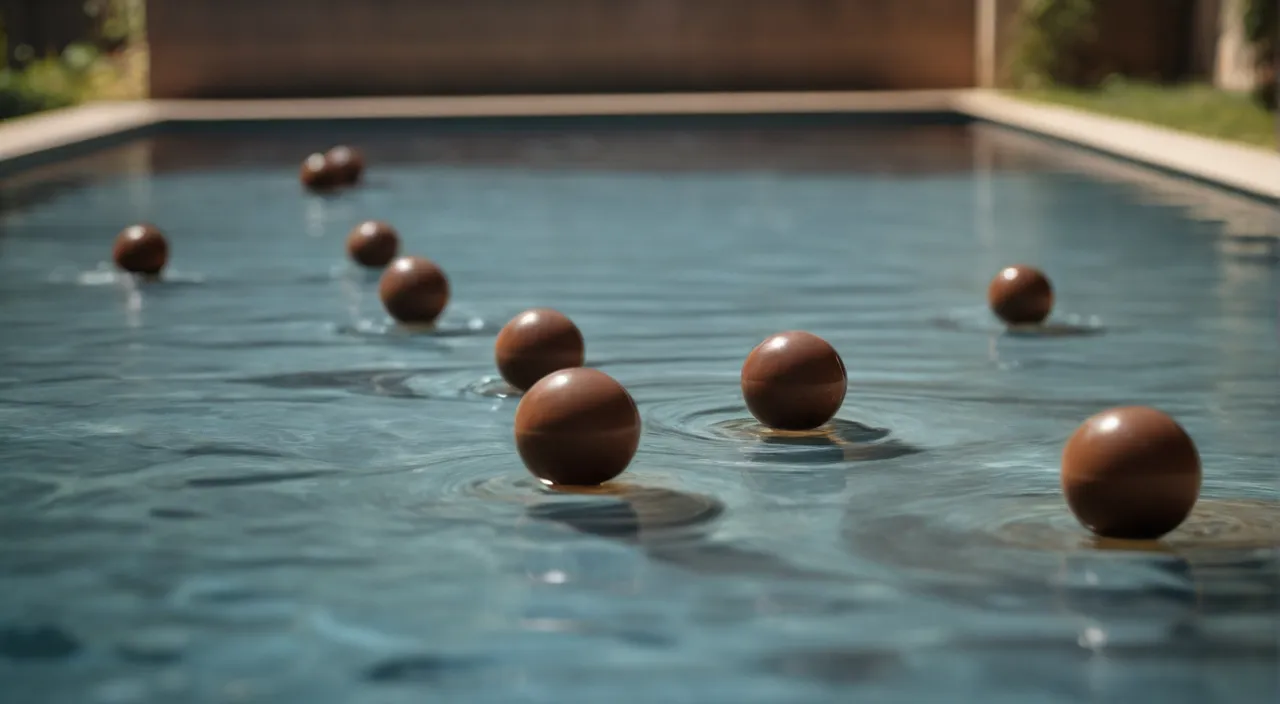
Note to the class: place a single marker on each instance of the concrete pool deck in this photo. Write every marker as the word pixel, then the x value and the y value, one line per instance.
pixel 1248 170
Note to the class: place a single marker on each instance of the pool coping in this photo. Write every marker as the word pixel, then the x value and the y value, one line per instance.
pixel 1247 170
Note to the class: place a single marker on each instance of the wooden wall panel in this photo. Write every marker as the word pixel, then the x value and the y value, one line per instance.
pixel 296 48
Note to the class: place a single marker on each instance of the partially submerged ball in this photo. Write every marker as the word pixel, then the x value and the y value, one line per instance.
pixel 414 290
pixel 1131 472
pixel 536 343
pixel 373 244
pixel 794 381
pixel 141 249
pixel 347 164
pixel 317 174
pixel 1020 295
pixel 577 427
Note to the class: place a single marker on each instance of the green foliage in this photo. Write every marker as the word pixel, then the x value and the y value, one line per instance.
pixel 82 71
pixel 1053 37
pixel 1260 22
pixel 1262 29
pixel 47 83
pixel 1200 109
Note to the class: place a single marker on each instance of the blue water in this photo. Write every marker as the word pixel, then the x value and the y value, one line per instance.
pixel 243 484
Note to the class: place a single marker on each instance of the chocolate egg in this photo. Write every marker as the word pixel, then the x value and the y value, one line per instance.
pixel 317 174
pixel 373 244
pixel 1131 473
pixel 141 249
pixel 577 427
pixel 536 343
pixel 1020 295
pixel 414 290
pixel 794 381
pixel 347 164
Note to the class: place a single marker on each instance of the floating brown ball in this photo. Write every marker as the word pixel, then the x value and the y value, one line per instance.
pixel 373 244
pixel 794 381
pixel 347 164
pixel 536 343
pixel 317 174
pixel 414 290
pixel 141 249
pixel 1020 295
pixel 577 427
pixel 1131 473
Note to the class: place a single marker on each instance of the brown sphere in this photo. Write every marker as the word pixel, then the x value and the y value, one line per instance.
pixel 414 290
pixel 373 244
pixel 347 164
pixel 141 249
pixel 794 381
pixel 536 343
pixel 577 427
pixel 1020 295
pixel 317 174
pixel 1131 473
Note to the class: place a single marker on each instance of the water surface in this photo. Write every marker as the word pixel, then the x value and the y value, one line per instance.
pixel 242 484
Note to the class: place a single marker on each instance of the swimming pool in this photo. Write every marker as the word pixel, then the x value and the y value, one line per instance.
pixel 244 484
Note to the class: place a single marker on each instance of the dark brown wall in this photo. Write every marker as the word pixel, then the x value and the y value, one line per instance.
pixel 47 26
pixel 257 48
pixel 1149 39
pixel 1146 38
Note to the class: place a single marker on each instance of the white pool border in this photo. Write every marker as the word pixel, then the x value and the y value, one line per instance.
pixel 1252 171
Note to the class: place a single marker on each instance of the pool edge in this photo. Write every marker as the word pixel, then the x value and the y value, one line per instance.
pixel 29 141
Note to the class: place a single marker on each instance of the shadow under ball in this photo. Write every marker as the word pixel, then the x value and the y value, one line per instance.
pixel 347 164
pixel 577 427
pixel 1131 473
pixel 1020 295
pixel 794 381
pixel 373 244
pixel 141 249
pixel 414 290
pixel 536 343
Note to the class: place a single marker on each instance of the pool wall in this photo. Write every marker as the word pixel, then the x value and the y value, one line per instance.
pixel 319 48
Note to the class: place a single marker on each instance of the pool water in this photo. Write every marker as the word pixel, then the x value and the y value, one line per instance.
pixel 243 484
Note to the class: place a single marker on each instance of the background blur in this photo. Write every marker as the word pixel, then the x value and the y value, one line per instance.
pixel 1207 66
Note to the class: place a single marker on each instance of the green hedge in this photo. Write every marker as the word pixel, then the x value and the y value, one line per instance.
pixel 1053 39
pixel 1262 29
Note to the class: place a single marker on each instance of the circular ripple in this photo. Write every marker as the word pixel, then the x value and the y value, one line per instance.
pixel 444 384
pixel 106 275
pixel 1055 329
pixel 460 385
pixel 980 320
pixel 629 511
pixel 729 429
pixel 1213 525
pixel 1223 556
pixel 493 472
pixel 491 387
pixel 440 384
pixel 477 484
pixel 447 327
pixel 489 472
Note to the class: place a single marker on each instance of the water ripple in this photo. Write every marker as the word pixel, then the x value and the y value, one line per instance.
pixel 631 512
pixel 1225 553
pixel 441 383
pixel 980 320
pixel 107 275
pixel 446 327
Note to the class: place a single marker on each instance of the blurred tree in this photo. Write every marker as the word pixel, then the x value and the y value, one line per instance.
pixel 1054 37
pixel 1262 30
pixel 40 28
